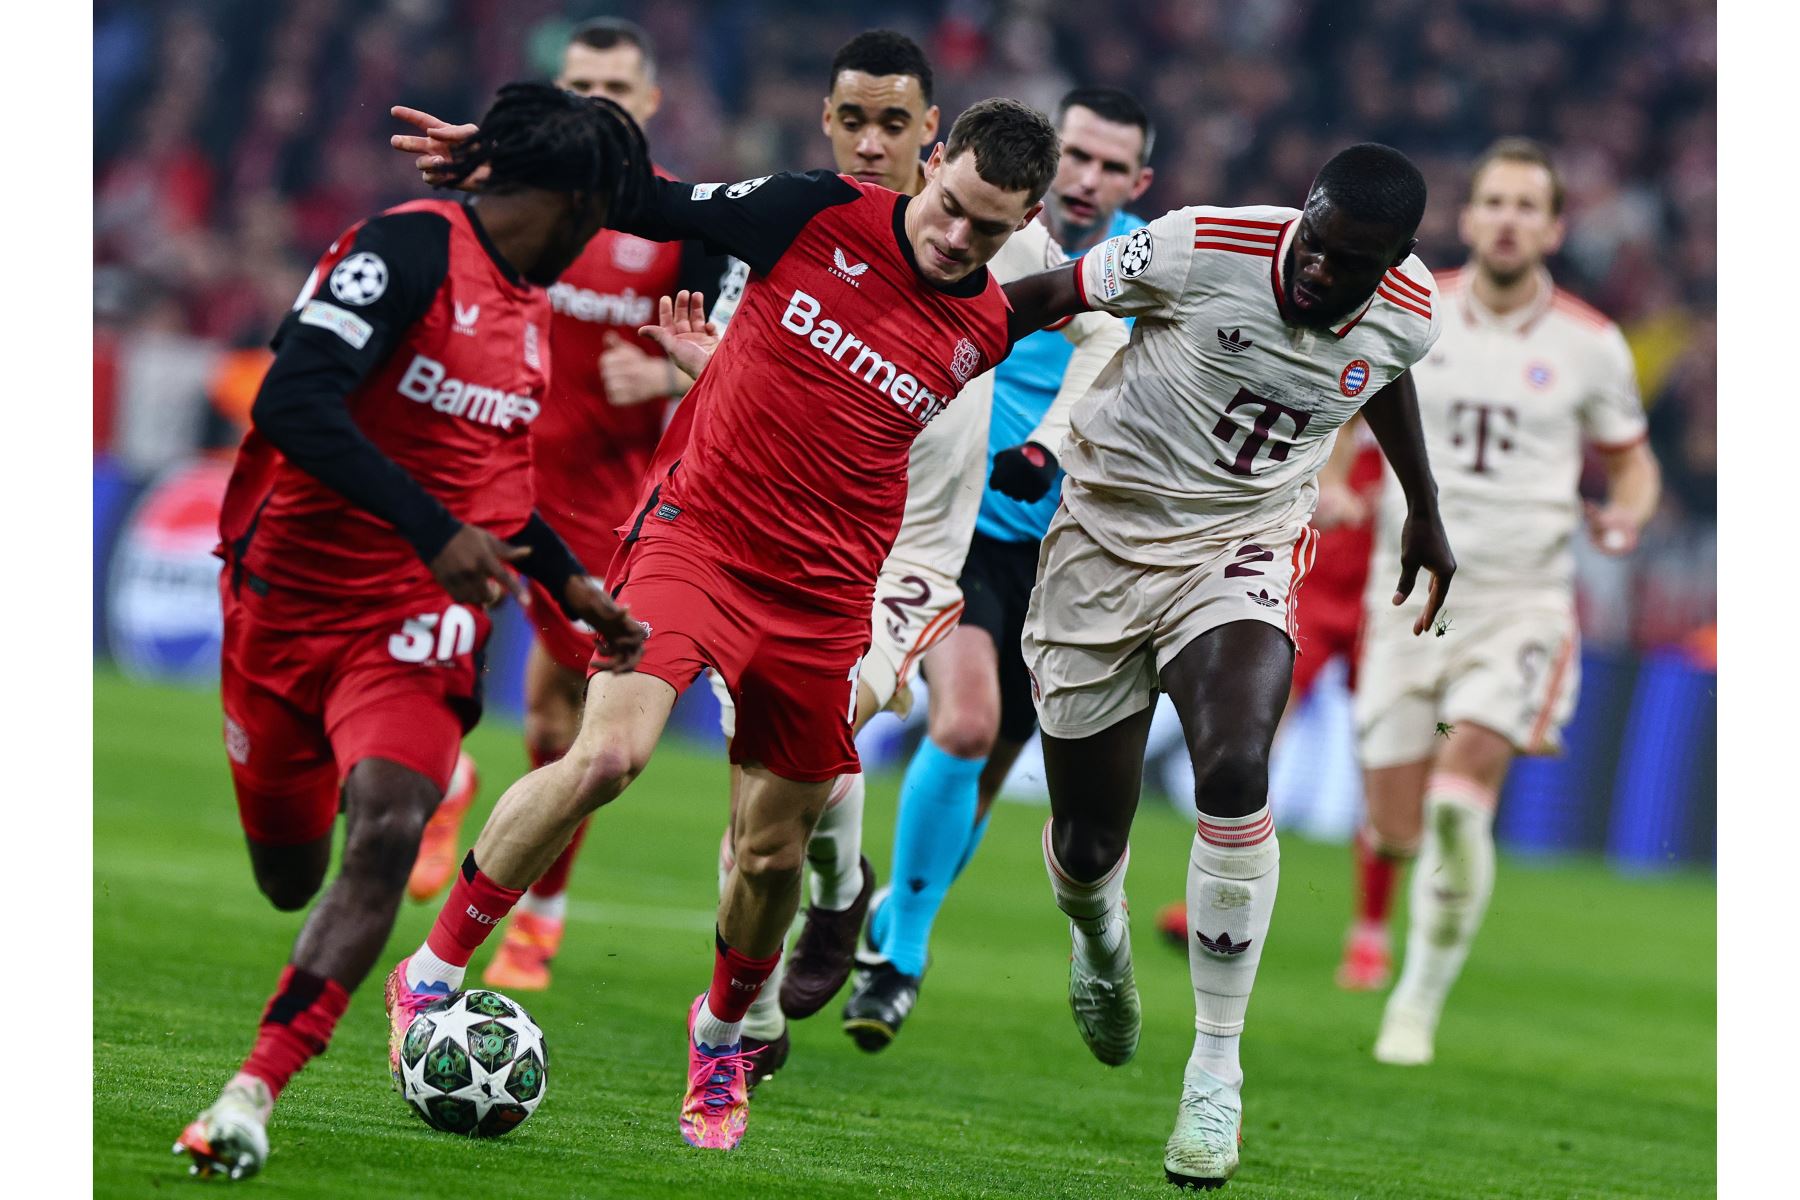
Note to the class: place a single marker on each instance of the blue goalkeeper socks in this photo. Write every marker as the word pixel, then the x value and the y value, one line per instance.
pixel 973 844
pixel 931 836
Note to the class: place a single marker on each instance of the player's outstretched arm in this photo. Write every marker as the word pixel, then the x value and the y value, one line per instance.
pixel 1044 299
pixel 1393 417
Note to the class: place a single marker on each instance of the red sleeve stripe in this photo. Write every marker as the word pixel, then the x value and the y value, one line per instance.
pixel 1257 237
pixel 1273 225
pixel 1081 287
pixel 1580 309
pixel 1254 251
pixel 1619 447
pixel 1405 302
pixel 1401 283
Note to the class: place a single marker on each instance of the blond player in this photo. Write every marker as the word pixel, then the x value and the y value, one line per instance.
pixel 1174 562
pixel 917 604
pixel 1524 375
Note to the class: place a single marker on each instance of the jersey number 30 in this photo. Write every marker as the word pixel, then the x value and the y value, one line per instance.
pixel 434 636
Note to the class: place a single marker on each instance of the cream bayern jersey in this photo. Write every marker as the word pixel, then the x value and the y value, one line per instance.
pixel 1214 424
pixel 946 473
pixel 1506 403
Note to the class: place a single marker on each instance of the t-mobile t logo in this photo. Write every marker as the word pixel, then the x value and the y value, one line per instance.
pixel 1482 425
pixel 1260 429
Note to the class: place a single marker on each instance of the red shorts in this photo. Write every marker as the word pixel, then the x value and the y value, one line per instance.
pixel 568 642
pixel 1329 626
pixel 791 670
pixel 302 709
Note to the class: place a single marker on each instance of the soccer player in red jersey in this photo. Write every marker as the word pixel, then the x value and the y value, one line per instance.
pixel 362 534
pixel 756 550
pixel 609 399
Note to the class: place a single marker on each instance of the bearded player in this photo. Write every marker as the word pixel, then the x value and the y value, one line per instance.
pixel 758 544
pixel 1524 377
pixel 610 394
pixel 375 510
pixel 1175 559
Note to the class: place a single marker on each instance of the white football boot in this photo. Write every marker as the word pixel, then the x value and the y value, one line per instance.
pixel 1203 1150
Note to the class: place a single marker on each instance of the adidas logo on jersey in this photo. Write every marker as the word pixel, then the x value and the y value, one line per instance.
pixel 835 342
pixel 1234 342
pixel 425 381
pixel 1263 598
pixel 585 304
pixel 844 269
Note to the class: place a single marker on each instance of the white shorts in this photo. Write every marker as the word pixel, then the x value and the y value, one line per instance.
pixel 915 609
pixel 1100 629
pixel 1513 667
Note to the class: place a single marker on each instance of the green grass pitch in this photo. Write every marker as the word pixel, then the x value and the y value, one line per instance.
pixel 1576 1060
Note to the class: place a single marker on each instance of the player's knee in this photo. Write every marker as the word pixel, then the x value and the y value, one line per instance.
pixel 972 736
pixel 771 857
pixel 289 891
pixel 387 807
pixel 1231 781
pixel 604 770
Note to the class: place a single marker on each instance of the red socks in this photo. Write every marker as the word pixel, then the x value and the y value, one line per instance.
pixel 296 1026
pixel 476 904
pixel 555 881
pixel 1376 874
pixel 736 980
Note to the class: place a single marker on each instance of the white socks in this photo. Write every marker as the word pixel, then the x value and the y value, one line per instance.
pixel 1096 910
pixel 835 852
pixel 712 1032
pixel 1451 883
pixel 550 908
pixel 424 967
pixel 1233 870
pixel 765 1020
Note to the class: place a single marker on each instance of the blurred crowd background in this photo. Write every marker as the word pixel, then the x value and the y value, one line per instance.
pixel 234 139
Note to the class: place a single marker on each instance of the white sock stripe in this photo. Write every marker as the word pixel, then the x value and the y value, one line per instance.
pixel 1462 789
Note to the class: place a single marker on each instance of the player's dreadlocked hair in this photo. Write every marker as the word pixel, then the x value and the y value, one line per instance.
pixel 1374 183
pixel 539 136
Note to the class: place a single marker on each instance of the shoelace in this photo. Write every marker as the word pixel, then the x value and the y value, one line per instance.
pixel 1212 1116
pixel 716 1092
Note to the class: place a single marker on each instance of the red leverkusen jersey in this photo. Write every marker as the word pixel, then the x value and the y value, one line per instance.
pixel 791 460
pixel 447 345
pixel 589 454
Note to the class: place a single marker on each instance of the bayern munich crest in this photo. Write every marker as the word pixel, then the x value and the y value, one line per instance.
pixel 964 361
pixel 1539 375
pixel 1355 378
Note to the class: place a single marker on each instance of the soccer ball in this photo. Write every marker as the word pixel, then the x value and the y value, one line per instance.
pixel 474 1064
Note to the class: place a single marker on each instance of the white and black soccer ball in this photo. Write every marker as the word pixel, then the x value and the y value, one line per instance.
pixel 474 1065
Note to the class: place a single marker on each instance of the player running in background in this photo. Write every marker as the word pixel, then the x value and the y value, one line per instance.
pixel 981 714
pixel 757 547
pixel 1524 375
pixel 1175 558
pixel 609 399
pixel 362 537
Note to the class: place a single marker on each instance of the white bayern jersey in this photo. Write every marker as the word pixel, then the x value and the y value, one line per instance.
pixel 1506 403
pixel 1213 424
pixel 946 470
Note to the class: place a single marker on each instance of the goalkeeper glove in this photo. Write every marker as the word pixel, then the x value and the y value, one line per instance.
pixel 1023 472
